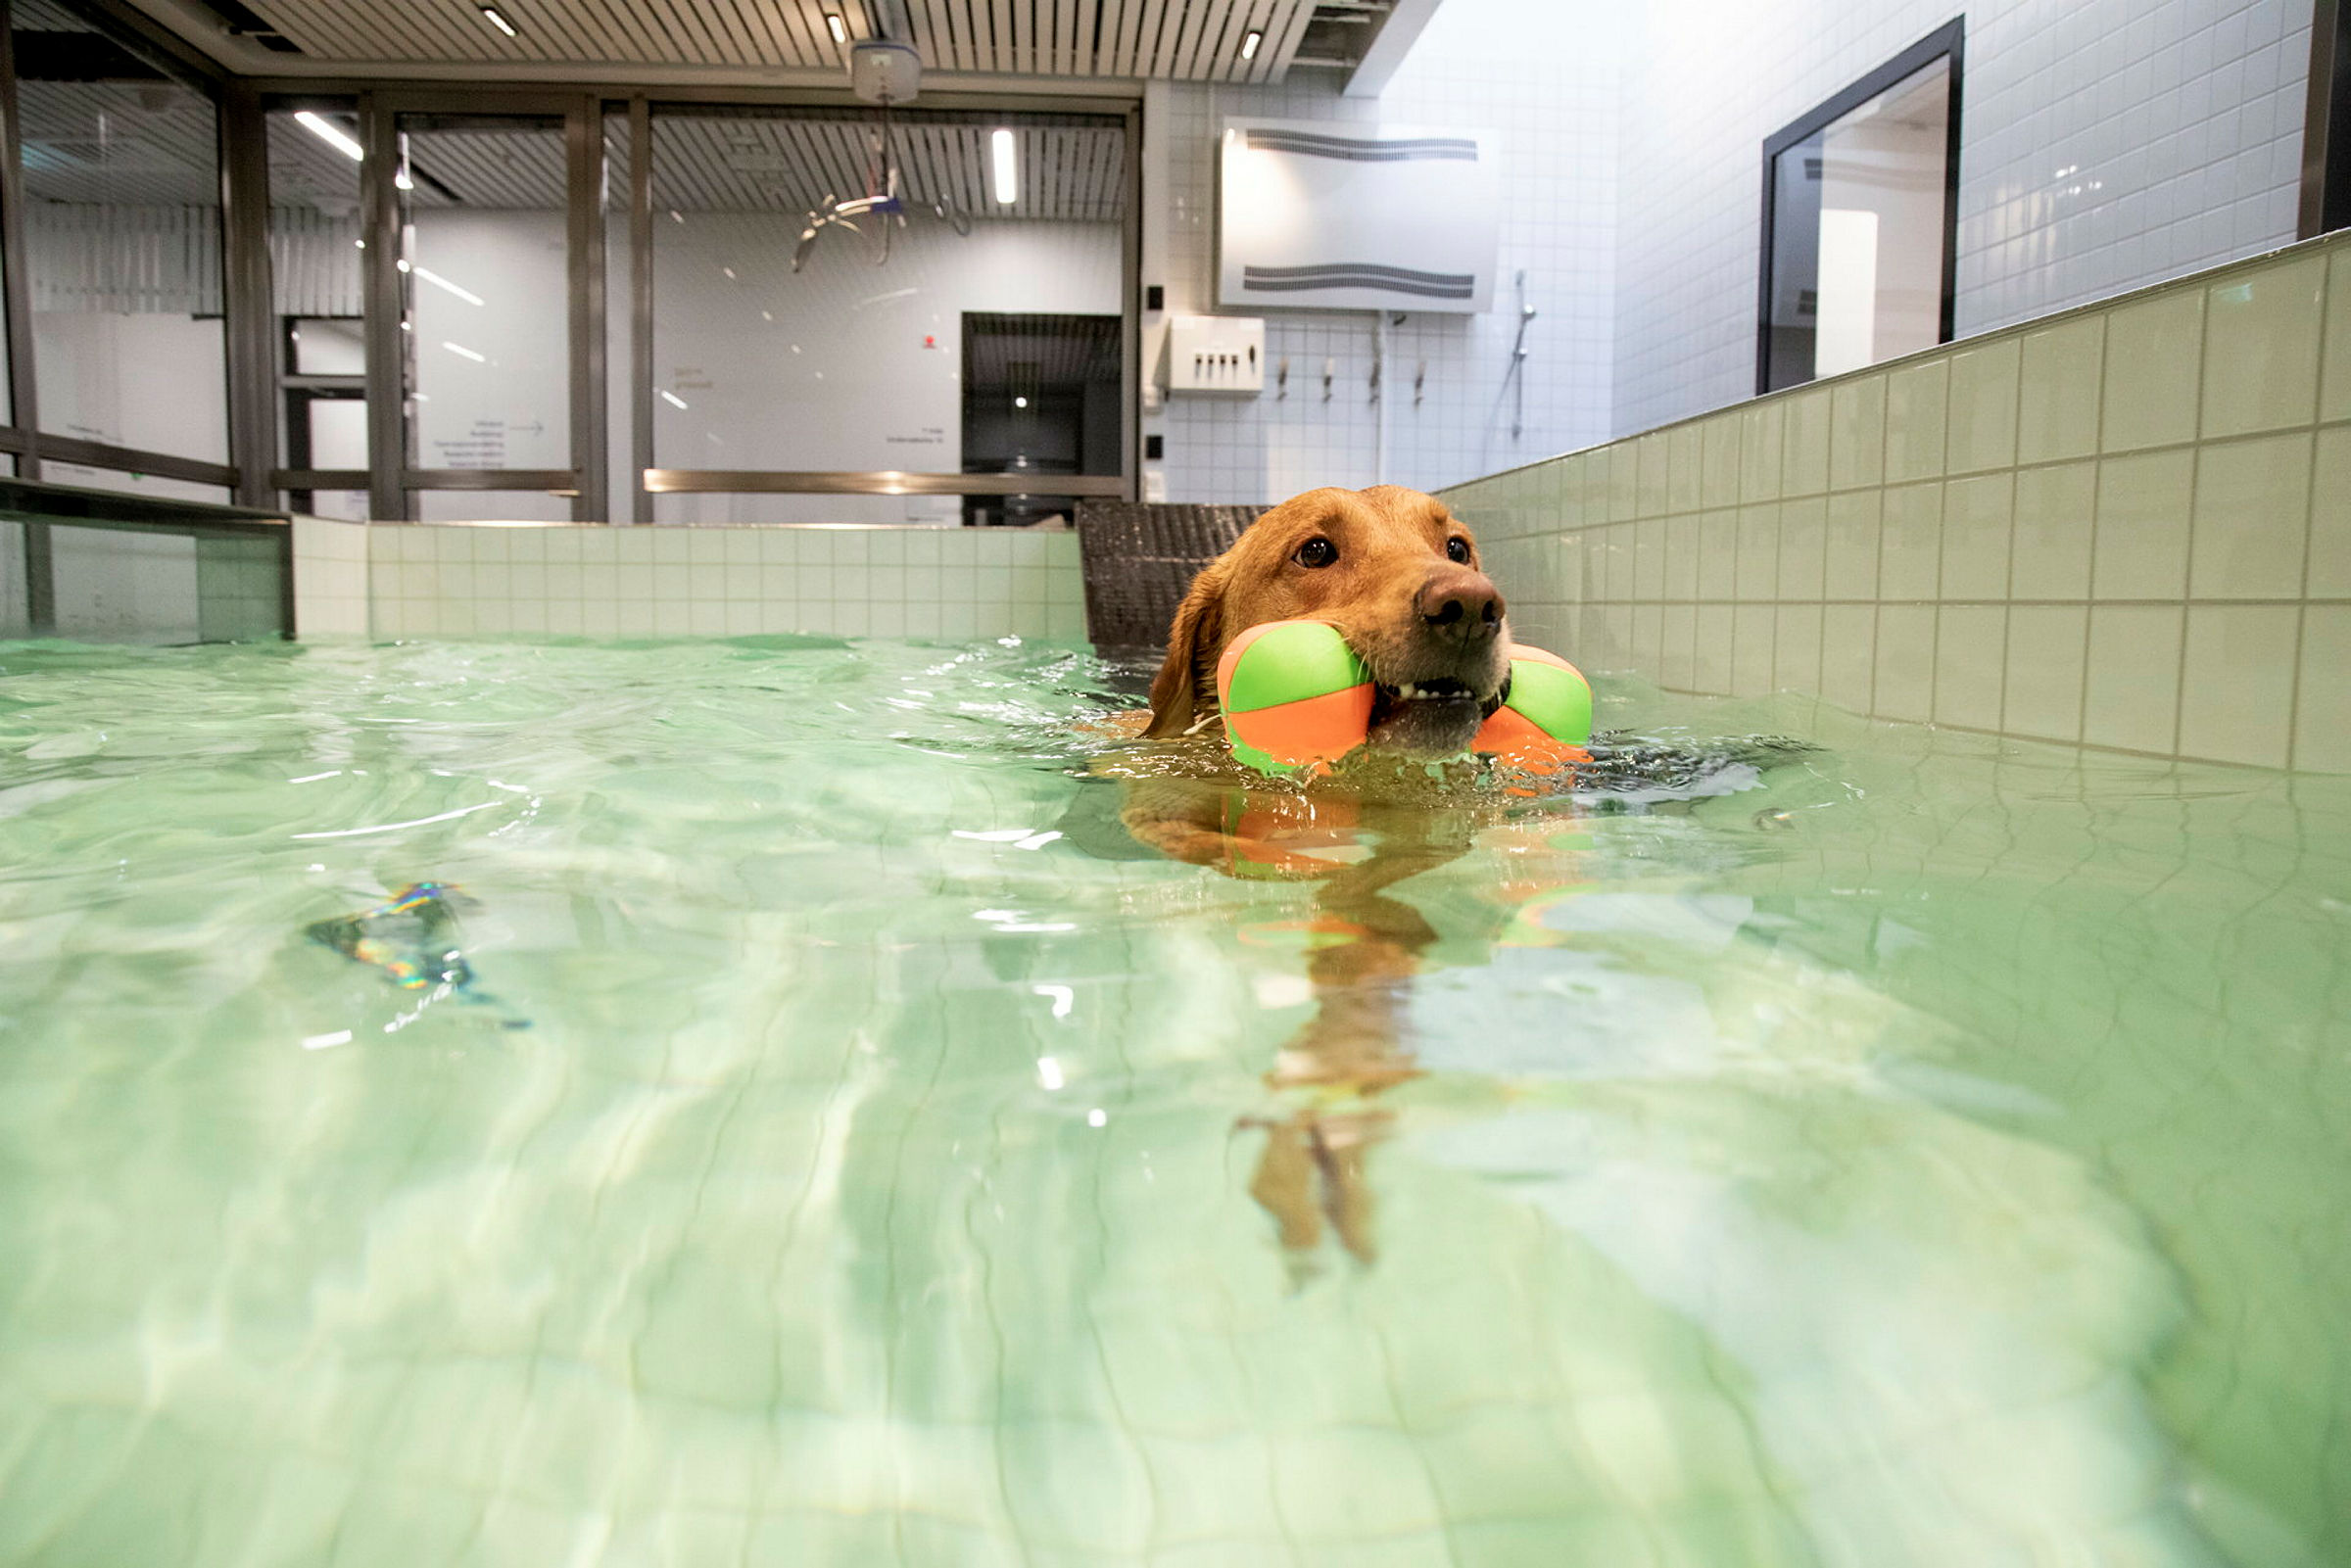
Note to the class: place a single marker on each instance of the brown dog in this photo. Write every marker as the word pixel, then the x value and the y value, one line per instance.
pixel 1398 575
pixel 1395 572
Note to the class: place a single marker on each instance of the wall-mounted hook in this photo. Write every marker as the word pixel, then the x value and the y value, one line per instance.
pixel 1282 380
pixel 1331 374
pixel 1420 382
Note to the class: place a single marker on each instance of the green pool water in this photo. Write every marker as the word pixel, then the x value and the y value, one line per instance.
pixel 852 1149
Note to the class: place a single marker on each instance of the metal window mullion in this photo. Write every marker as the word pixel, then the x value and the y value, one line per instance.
pixel 245 293
pixel 1131 325
pixel 23 401
pixel 586 276
pixel 387 355
pixel 640 308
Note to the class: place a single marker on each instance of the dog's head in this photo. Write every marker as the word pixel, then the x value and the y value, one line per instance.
pixel 1395 572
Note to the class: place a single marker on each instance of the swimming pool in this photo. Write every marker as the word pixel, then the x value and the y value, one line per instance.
pixel 850 1149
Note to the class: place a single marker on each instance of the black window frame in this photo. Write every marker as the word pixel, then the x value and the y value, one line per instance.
pixel 1949 40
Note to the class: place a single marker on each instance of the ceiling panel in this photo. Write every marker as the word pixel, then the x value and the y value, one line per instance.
pixel 1049 352
pixel 1187 40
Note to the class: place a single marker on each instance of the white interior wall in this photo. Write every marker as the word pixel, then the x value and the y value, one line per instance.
pixel 1543 77
pixel 845 364
pixel 2105 145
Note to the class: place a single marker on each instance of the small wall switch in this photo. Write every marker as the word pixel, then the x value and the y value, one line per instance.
pixel 1217 354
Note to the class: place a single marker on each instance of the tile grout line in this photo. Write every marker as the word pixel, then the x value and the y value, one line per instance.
pixel 2310 505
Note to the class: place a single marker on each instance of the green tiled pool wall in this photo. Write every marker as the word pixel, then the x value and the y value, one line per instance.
pixel 438 580
pixel 2127 527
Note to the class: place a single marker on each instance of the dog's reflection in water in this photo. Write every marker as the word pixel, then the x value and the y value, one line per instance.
pixel 1363 948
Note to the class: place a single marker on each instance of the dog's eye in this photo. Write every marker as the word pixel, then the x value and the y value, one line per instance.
pixel 1457 550
pixel 1317 553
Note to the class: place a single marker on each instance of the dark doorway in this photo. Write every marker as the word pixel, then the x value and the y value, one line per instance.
pixel 1041 397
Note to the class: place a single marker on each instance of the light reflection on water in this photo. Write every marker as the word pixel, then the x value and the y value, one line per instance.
pixel 1933 1153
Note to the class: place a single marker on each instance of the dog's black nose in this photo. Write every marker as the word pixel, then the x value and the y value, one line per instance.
pixel 1464 605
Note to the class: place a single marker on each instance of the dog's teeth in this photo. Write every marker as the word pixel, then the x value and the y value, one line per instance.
pixel 1408 691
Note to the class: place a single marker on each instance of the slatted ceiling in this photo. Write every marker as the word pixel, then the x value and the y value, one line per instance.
pixel 44 15
pixel 304 172
pixel 1072 172
pixel 1065 351
pixel 1186 41
pixel 1285 36
pixel 510 169
pixel 1260 17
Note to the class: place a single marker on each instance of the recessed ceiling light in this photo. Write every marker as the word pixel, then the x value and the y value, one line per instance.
pixel 499 22
pixel 1020 403
pixel 1008 169
pixel 334 136
pixel 840 28
pixel 1250 43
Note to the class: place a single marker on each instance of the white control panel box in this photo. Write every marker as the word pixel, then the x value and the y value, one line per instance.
pixel 1222 353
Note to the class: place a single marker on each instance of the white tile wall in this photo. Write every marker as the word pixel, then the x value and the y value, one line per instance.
pixel 1551 94
pixel 330 579
pixel 2128 527
pixel 2105 145
pixel 947 582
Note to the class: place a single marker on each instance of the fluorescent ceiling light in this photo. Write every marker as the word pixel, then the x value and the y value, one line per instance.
pixel 1008 169
pixel 334 136
pixel 499 22
pixel 840 28
pixel 1250 43
pixel 673 396
pixel 463 353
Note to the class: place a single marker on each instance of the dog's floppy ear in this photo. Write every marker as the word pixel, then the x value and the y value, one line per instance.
pixel 1194 644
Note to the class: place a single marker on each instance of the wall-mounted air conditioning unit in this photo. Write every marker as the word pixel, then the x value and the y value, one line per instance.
pixel 1357 217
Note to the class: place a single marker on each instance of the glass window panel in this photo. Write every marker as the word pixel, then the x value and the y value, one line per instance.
pixel 858 358
pixel 317 281
pixel 1858 234
pixel 486 292
pixel 326 345
pixel 16 586
pixel 122 237
pixel 336 429
pixel 115 586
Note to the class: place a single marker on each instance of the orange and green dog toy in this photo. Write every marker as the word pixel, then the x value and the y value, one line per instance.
pixel 1295 695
